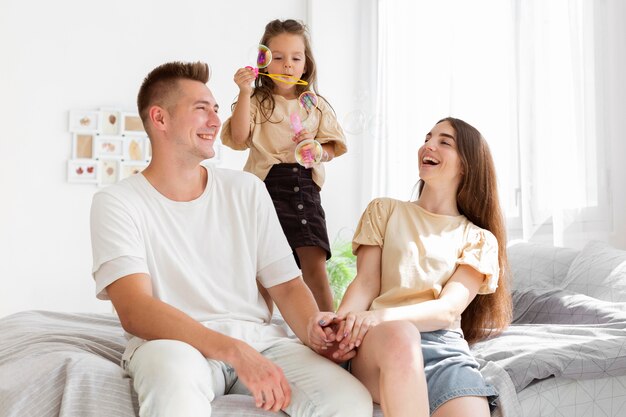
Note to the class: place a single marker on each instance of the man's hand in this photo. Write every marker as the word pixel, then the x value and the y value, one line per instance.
pixel 262 377
pixel 322 336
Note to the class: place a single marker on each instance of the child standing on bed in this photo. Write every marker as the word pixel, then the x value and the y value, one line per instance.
pixel 261 122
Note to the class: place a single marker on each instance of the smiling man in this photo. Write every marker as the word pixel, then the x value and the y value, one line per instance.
pixel 179 249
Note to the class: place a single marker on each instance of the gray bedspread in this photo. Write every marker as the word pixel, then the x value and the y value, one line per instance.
pixel 66 365
pixel 559 333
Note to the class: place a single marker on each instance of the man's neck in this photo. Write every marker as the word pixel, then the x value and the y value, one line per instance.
pixel 177 182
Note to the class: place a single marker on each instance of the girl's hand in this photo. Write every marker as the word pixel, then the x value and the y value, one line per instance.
pixel 302 135
pixel 244 77
pixel 352 330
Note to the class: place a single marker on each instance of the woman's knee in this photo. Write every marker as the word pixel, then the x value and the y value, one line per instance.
pixel 395 342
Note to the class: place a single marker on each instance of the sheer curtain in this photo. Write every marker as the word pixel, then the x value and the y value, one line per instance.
pixel 522 72
pixel 562 156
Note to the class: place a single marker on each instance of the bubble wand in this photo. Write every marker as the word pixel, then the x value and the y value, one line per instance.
pixel 308 153
pixel 263 59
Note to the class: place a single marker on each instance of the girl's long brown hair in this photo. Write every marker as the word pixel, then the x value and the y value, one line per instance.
pixel 477 199
pixel 264 86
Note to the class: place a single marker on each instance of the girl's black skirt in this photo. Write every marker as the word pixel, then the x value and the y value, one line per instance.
pixel 299 206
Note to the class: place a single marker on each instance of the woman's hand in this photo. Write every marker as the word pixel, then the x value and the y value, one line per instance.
pixel 353 328
pixel 244 77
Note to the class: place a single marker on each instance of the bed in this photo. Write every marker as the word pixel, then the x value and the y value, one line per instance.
pixel 564 355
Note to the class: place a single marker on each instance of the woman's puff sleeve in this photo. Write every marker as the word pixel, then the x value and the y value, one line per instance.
pixel 481 253
pixel 373 224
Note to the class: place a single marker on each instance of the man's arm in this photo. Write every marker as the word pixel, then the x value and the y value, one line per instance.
pixel 297 305
pixel 149 318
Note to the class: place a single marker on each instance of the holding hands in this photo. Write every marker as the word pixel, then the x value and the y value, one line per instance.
pixel 323 337
pixel 352 329
pixel 338 337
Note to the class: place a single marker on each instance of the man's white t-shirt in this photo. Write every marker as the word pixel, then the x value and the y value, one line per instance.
pixel 203 256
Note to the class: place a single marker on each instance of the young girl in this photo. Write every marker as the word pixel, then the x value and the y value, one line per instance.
pixel 431 278
pixel 261 122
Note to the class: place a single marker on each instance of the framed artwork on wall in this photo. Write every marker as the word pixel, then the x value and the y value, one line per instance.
pixel 131 168
pixel 131 124
pixel 109 147
pixel 110 121
pixel 109 171
pixel 82 145
pixel 82 170
pixel 135 148
pixel 84 121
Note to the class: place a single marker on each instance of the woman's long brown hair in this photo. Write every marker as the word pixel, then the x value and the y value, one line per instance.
pixel 477 199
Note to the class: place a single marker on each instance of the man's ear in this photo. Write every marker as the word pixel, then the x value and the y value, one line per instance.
pixel 158 117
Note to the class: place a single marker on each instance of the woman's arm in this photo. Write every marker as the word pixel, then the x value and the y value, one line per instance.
pixel 428 316
pixel 442 312
pixel 366 285
pixel 360 293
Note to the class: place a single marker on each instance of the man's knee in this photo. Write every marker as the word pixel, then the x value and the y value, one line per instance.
pixel 354 400
pixel 168 360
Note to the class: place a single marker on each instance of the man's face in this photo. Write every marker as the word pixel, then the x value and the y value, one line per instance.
pixel 194 123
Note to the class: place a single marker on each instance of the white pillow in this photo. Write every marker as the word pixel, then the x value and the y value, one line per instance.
pixel 538 266
pixel 600 272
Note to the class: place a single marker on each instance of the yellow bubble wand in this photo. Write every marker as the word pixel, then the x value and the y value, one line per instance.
pixel 263 59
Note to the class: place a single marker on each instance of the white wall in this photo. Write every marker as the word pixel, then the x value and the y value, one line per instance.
pixel 57 56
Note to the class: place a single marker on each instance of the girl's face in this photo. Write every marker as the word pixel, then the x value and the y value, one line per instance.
pixel 439 156
pixel 288 58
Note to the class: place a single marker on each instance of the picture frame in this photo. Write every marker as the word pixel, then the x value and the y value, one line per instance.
pixel 83 145
pixel 131 124
pixel 128 168
pixel 84 121
pixel 82 171
pixel 135 148
pixel 109 171
pixel 108 147
pixel 110 121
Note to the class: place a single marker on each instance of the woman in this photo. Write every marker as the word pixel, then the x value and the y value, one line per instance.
pixel 431 278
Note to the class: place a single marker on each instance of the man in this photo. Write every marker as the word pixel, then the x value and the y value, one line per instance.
pixel 179 249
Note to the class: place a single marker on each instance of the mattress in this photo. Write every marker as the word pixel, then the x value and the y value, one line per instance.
pixel 563 397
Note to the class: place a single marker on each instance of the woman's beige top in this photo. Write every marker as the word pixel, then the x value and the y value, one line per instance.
pixel 270 141
pixel 421 250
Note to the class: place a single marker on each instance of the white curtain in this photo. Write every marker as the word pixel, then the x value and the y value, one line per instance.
pixel 562 157
pixel 519 71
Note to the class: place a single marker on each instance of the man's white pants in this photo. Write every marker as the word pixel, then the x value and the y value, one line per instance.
pixel 172 378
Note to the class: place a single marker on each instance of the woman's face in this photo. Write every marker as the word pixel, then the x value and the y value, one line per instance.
pixel 439 159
